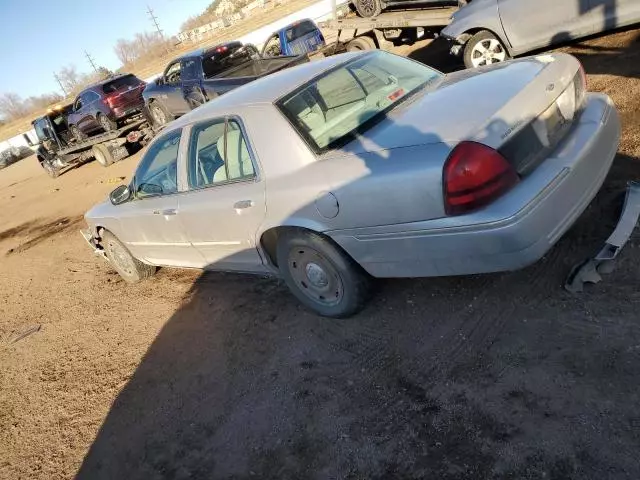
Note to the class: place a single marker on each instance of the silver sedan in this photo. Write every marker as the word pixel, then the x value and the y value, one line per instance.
pixel 366 165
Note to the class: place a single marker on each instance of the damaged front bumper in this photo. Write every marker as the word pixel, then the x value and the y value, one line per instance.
pixel 591 270
pixel 93 243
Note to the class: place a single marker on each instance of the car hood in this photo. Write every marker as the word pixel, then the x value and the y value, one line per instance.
pixel 460 106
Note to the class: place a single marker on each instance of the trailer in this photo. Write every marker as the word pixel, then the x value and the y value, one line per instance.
pixel 390 28
pixel 57 150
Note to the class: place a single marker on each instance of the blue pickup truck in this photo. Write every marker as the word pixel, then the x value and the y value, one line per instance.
pixel 202 75
pixel 299 38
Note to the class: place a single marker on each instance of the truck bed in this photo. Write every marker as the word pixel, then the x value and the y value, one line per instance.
pixel 257 68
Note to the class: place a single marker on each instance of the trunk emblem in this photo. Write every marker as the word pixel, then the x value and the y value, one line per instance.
pixel 551 87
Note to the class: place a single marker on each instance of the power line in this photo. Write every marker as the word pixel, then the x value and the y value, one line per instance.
pixel 91 61
pixel 55 75
pixel 154 19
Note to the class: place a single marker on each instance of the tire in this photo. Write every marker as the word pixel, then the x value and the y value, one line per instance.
pixel 106 123
pixel 77 133
pixel 130 268
pixel 361 44
pixel 320 275
pixel 52 171
pixel 102 155
pixel 159 114
pixel 368 8
pixel 484 48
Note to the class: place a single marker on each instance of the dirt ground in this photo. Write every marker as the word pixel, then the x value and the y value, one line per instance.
pixel 226 376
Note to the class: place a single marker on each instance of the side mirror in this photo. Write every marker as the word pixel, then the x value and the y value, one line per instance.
pixel 120 195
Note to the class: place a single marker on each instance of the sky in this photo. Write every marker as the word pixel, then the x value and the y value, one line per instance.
pixel 39 37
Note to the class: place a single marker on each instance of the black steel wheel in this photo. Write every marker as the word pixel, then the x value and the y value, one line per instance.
pixel 368 8
pixel 321 275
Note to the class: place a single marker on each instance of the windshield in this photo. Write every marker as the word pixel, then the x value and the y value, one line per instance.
pixel 332 107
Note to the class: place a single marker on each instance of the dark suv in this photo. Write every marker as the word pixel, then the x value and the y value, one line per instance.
pixel 102 106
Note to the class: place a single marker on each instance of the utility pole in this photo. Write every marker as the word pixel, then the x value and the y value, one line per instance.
pixel 55 75
pixel 154 19
pixel 91 61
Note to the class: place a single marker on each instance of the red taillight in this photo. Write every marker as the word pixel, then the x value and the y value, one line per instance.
pixel 474 176
pixel 221 49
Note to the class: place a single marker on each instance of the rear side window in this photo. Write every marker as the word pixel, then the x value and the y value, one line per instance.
pixel 121 83
pixel 300 30
pixel 218 153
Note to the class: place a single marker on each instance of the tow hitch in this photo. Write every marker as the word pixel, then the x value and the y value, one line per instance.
pixel 590 271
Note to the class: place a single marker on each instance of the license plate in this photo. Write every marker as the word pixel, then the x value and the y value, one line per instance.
pixel 550 126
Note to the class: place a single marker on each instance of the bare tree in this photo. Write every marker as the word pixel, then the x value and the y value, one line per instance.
pixel 12 106
pixel 42 101
pixel 124 51
pixel 70 78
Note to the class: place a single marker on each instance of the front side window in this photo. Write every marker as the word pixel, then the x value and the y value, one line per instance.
pixel 218 153
pixel 332 107
pixel 78 104
pixel 158 170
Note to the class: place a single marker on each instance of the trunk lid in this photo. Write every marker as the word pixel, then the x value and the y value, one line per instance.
pixel 489 105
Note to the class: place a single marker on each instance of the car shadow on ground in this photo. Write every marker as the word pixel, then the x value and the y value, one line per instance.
pixel 494 376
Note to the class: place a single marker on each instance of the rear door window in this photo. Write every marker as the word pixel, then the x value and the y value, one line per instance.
pixel 189 70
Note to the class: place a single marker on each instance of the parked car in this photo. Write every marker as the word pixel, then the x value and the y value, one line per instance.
pixel 197 77
pixel 371 165
pixel 295 39
pixel 492 31
pixel 105 105
pixel 373 8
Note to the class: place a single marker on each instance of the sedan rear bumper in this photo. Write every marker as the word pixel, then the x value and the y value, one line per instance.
pixel 539 211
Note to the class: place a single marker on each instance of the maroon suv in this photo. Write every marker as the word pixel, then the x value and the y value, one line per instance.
pixel 102 106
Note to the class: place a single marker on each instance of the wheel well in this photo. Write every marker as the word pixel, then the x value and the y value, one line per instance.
pixel 269 241
pixel 464 38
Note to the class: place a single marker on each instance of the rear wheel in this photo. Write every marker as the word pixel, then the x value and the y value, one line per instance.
pixel 195 100
pixel 78 134
pixel 368 8
pixel 102 155
pixel 160 115
pixel 361 44
pixel 106 123
pixel 484 48
pixel 321 275
pixel 130 269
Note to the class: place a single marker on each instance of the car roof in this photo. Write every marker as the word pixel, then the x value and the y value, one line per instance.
pixel 267 89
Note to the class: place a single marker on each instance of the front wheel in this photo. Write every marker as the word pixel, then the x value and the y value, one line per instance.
pixel 484 48
pixel 368 8
pixel 321 275
pixel 361 44
pixel 130 269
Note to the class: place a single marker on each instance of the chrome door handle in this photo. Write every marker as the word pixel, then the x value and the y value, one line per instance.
pixel 242 204
pixel 168 211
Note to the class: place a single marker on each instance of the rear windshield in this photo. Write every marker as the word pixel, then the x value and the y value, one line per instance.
pixel 300 30
pixel 224 58
pixel 120 84
pixel 333 107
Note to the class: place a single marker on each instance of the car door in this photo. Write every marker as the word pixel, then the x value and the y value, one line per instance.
pixel 76 115
pixel 89 109
pixel 612 14
pixel 536 24
pixel 150 223
pixel 172 89
pixel 225 204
